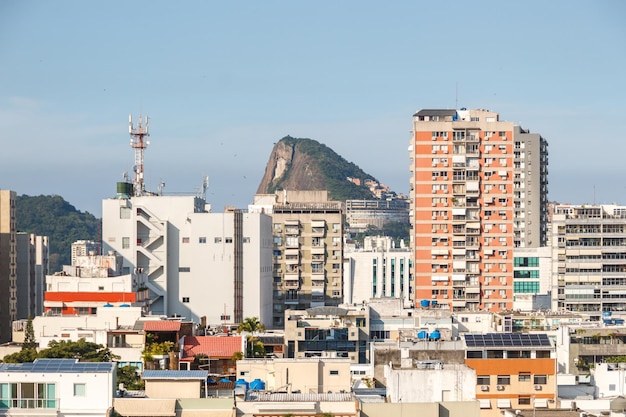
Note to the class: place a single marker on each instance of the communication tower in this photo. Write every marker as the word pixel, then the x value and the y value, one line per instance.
pixel 139 142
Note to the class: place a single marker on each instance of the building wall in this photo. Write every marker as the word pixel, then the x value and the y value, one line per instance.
pixel 308 250
pixel 99 390
pixel 8 263
pixel 187 255
pixel 444 383
pixel 173 389
pixel 532 276
pixel 589 272
pixel 317 375
pixel 377 274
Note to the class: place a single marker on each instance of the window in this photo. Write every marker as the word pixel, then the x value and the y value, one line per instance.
pixel 125 242
pixel 334 372
pixel 124 213
pixel 79 390
pixel 229 240
pixel 523 377
pixel 278 240
pixel 540 379
pixel 185 239
pixel 483 380
pixel 184 269
pixel 504 379
pixel 218 240
pixel 523 400
pixel 185 299
pixel 246 240
pixel 202 239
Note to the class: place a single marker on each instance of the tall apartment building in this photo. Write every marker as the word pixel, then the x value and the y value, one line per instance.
pixel 308 249
pixel 8 263
pixel 473 200
pixel 32 268
pixel 589 258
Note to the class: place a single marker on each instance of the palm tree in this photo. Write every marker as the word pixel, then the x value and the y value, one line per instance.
pixel 252 325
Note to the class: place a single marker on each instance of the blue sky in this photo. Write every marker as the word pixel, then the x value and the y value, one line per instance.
pixel 223 81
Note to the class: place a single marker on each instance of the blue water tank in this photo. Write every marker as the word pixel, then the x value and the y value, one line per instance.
pixel 242 382
pixel 607 314
pixel 257 385
pixel 435 335
pixel 422 334
pixel 424 303
pixel 433 303
pixel 225 380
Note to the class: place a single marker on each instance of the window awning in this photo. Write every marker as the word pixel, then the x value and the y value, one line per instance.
pixel 541 402
pixel 504 403
pixel 485 403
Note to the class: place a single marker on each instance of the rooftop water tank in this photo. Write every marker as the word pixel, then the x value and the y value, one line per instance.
pixel 257 385
pixel 243 382
pixel 424 303
pixel 422 334
pixel 435 335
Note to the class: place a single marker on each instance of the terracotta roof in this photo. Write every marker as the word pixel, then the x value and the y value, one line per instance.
pixel 212 346
pixel 161 326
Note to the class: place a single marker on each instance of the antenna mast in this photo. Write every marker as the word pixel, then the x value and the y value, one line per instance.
pixel 139 142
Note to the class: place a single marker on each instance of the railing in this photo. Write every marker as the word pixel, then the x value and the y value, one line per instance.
pixel 27 403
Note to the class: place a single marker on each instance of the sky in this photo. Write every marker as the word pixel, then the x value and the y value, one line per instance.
pixel 223 81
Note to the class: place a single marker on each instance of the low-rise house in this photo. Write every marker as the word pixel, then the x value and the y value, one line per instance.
pixel 211 353
pixel 57 387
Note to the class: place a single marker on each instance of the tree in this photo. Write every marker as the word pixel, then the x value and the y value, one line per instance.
pixel 22 356
pixel 128 376
pixel 29 336
pixel 251 326
pixel 82 350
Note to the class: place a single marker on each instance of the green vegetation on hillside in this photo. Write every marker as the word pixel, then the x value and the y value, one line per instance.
pixel 52 216
pixel 396 230
pixel 333 167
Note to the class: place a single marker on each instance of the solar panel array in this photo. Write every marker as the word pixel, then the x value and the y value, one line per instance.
pixel 58 365
pixel 507 340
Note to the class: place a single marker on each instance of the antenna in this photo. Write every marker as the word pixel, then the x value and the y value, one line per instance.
pixel 205 186
pixel 139 142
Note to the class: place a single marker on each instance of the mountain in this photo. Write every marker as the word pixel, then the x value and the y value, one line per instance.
pixel 52 216
pixel 307 165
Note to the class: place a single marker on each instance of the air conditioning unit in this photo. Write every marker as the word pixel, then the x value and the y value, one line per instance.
pixel 538 387
pixel 484 388
pixel 335 270
pixel 500 387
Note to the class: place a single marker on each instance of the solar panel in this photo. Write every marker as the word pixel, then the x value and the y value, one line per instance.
pixel 507 340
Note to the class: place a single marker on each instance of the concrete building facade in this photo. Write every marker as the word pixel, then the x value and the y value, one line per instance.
pixel 194 263
pixel 378 273
pixel 308 250
pixel 589 258
pixel 32 268
pixel 8 263
pixel 467 175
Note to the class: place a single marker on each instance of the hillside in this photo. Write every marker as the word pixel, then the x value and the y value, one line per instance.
pixel 52 216
pixel 307 165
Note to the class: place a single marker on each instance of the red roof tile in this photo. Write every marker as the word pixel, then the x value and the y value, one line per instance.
pixel 212 346
pixel 161 326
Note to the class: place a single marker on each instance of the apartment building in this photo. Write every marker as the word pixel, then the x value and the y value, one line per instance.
pixel 308 249
pixel 194 263
pixel 532 278
pixel 32 268
pixel 8 263
pixel 589 258
pixel 469 181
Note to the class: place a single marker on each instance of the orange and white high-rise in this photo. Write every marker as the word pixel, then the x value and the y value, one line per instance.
pixel 478 190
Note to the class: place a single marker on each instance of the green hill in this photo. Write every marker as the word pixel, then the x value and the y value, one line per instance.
pixel 307 165
pixel 52 216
